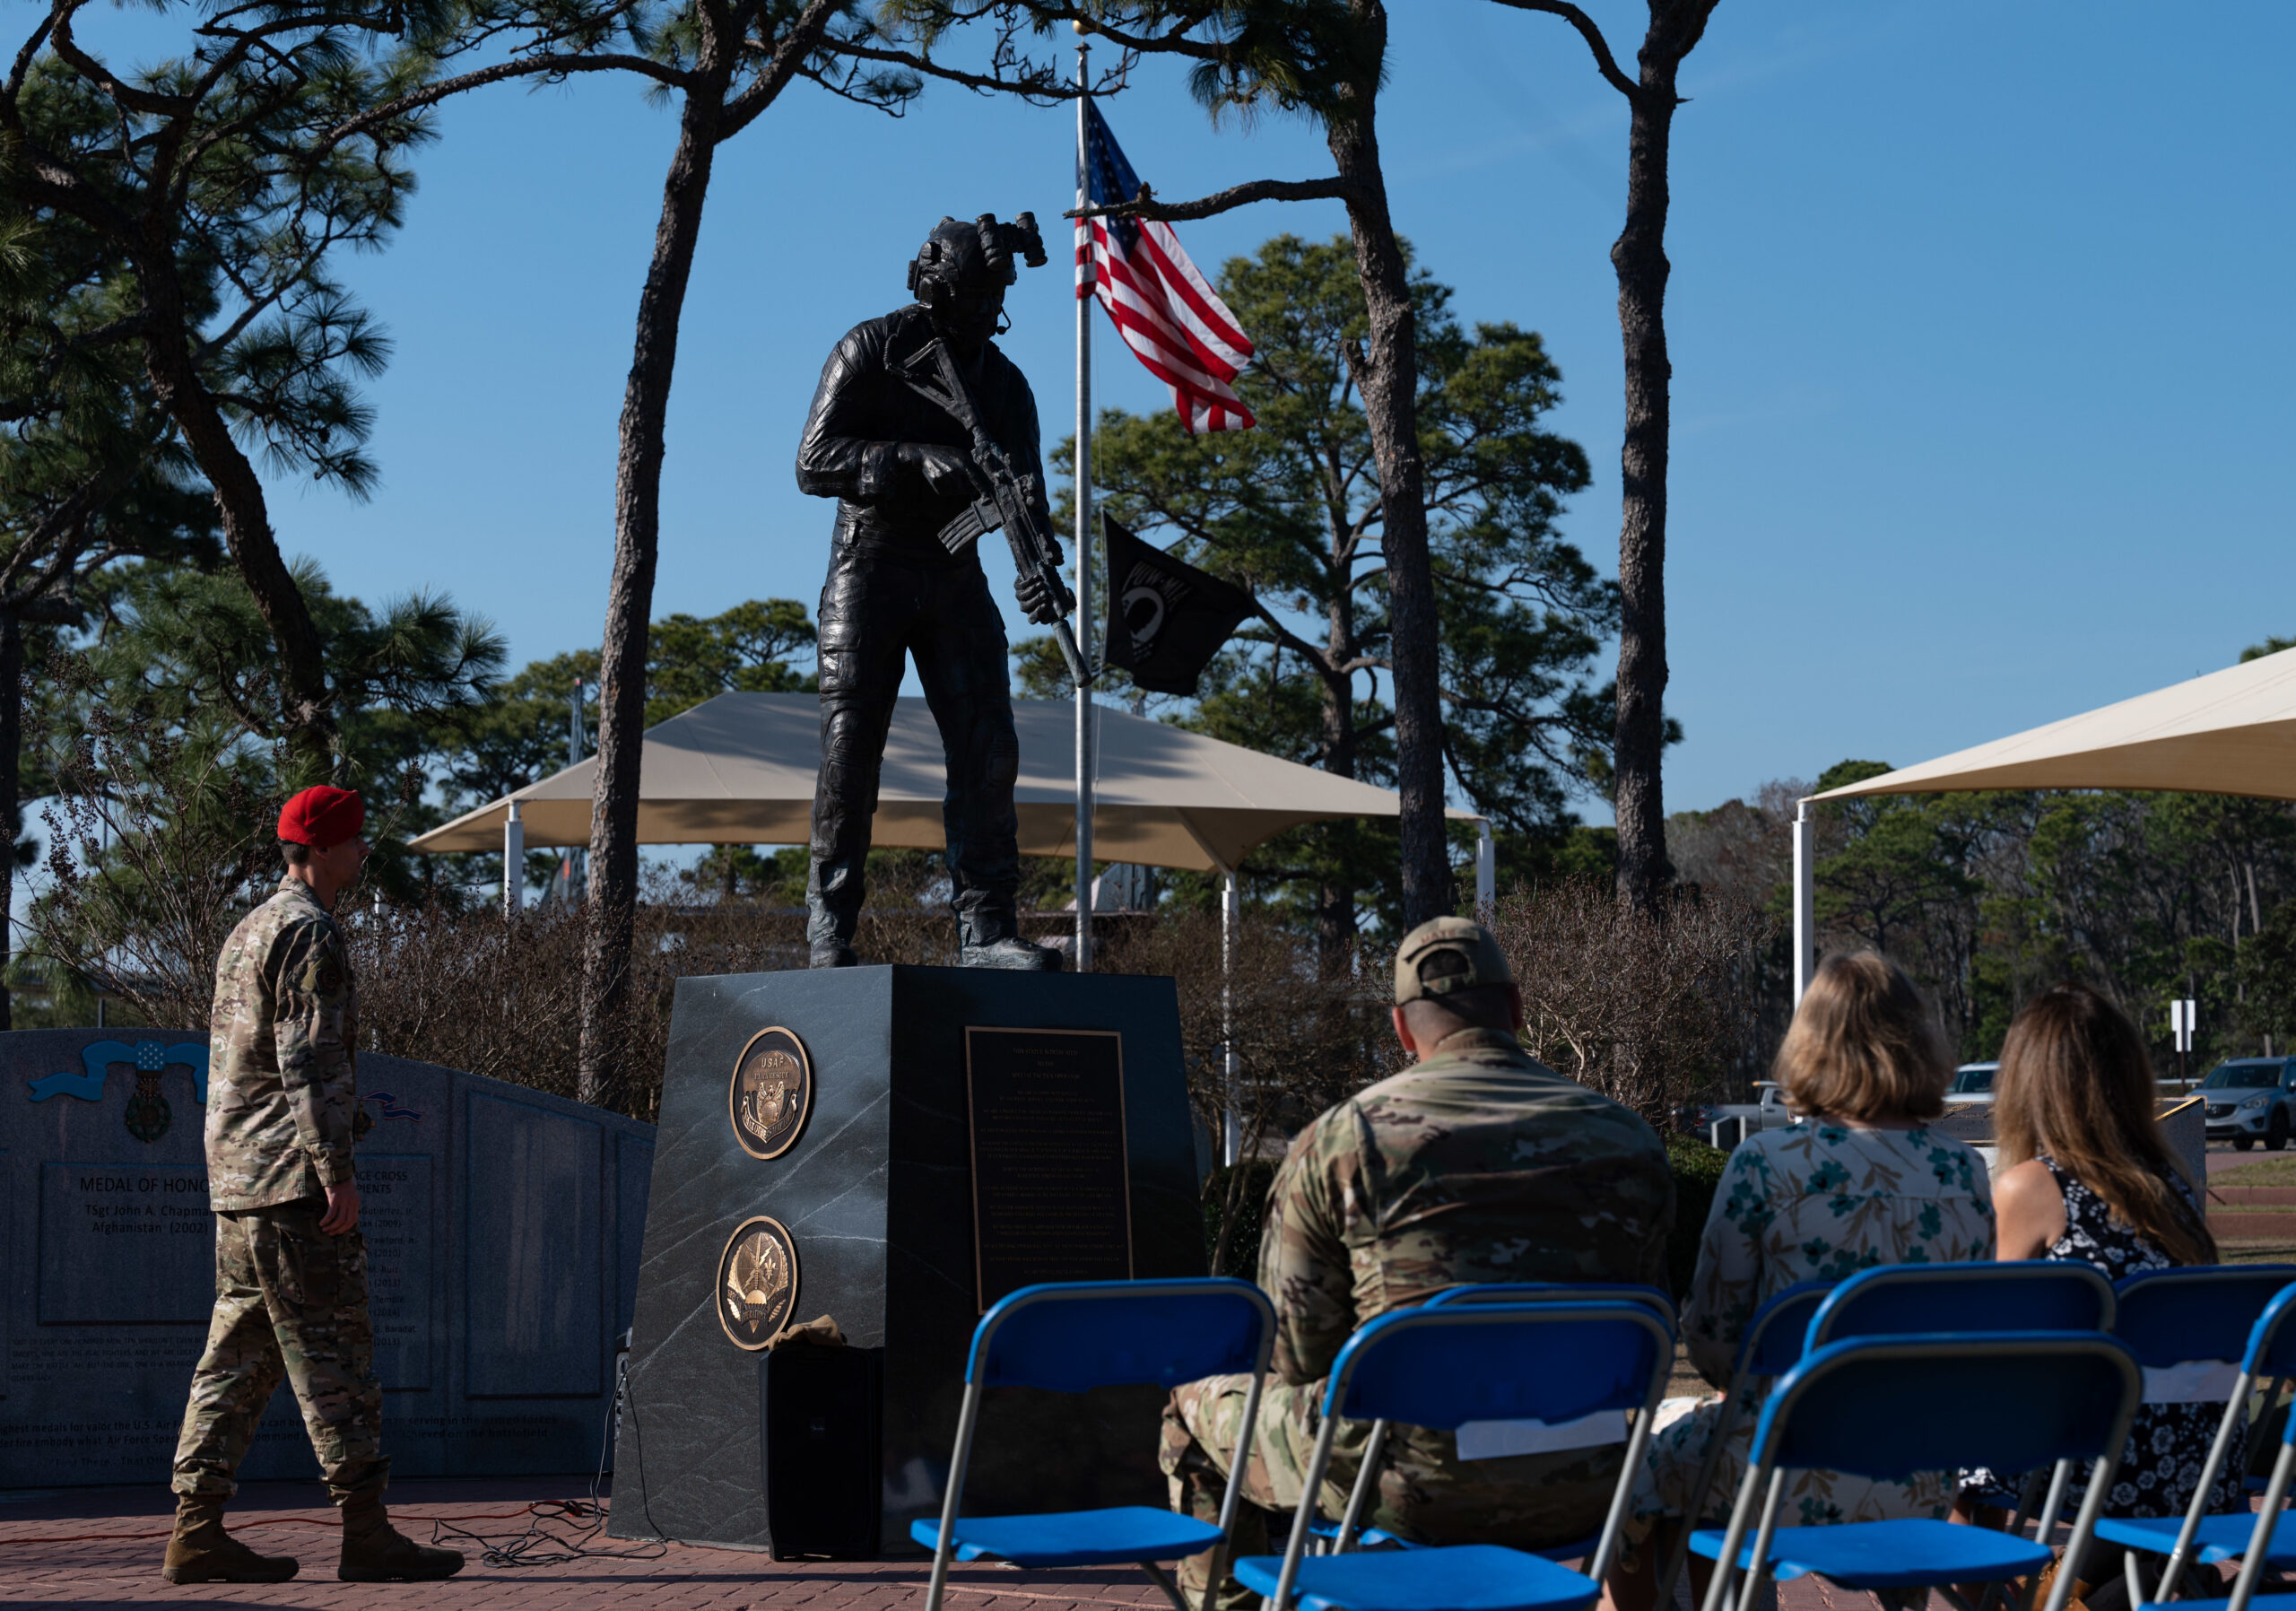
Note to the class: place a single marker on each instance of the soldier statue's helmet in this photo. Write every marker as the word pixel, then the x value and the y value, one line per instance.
pixel 974 258
pixel 1446 956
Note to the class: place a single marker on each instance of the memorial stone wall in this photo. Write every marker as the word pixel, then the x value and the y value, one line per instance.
pixel 502 1225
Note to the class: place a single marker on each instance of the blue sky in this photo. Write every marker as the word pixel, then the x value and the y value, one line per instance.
pixel 1979 318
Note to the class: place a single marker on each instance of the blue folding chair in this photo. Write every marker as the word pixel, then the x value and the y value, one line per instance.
pixel 2172 1318
pixel 1327 1534
pixel 1772 1346
pixel 2029 1294
pixel 2257 1555
pixel 1900 1300
pixel 1445 1366
pixel 1077 1336
pixel 1889 1406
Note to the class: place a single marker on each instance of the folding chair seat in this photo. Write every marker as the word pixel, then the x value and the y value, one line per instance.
pixel 1889 1406
pixel 2205 1314
pixel 1077 1335
pixel 1443 1365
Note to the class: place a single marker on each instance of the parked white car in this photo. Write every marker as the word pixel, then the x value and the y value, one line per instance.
pixel 1973 1082
pixel 1729 1123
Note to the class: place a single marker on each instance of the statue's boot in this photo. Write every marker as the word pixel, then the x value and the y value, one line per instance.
pixel 376 1552
pixel 831 916
pixel 990 940
pixel 201 1552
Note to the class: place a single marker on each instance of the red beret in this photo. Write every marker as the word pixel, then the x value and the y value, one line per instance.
pixel 323 817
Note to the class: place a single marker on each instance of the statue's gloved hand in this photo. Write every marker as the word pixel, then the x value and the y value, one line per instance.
pixel 945 471
pixel 1037 601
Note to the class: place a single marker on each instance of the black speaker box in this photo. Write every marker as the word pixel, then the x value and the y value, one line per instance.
pixel 818 1428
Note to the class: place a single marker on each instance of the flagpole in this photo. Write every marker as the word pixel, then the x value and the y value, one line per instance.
pixel 1083 533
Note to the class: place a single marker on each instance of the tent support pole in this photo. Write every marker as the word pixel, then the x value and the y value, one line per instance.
pixel 1231 1123
pixel 514 862
pixel 1083 539
pixel 1805 898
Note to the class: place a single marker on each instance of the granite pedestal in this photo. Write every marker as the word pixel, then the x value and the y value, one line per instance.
pixel 502 1232
pixel 1080 1174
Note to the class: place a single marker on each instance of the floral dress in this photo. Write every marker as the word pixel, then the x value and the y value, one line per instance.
pixel 2168 1444
pixel 1817 1201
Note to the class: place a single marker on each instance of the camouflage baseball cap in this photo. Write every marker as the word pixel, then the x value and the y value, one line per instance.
pixel 1448 954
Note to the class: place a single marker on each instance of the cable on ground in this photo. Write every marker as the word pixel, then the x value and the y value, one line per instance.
pixel 577 1521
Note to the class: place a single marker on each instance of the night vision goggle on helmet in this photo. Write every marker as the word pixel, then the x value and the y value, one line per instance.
pixel 973 256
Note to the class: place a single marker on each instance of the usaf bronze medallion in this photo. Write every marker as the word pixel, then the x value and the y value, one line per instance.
pixel 772 1093
pixel 757 1282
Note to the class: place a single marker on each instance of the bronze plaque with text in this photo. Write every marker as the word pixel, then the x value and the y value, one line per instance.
pixel 1050 1200
pixel 771 1093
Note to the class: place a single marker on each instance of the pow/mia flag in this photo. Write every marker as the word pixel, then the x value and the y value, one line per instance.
pixel 1166 618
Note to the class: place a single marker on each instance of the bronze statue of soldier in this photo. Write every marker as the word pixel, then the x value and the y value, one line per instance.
pixel 904 470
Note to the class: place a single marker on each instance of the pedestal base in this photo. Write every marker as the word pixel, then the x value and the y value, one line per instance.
pixel 875 1191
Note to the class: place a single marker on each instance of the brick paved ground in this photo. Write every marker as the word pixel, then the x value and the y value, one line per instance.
pixel 101 1548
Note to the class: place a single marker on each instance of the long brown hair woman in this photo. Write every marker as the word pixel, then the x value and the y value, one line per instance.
pixel 2076 1091
pixel 2083 1172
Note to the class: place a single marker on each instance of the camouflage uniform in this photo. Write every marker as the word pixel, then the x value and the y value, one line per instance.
pixel 1477 1164
pixel 281 1110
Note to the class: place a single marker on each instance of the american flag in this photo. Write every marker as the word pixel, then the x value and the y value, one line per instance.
pixel 1170 317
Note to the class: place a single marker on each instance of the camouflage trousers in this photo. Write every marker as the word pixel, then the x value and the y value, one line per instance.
pixel 289 1301
pixel 1425 1494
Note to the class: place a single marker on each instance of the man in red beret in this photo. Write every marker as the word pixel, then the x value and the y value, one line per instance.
pixel 290 1264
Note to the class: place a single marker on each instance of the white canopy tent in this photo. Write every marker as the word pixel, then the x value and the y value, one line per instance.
pixel 740 769
pixel 2232 732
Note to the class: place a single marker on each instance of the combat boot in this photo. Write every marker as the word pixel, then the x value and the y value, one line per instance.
pixel 376 1552
pixel 201 1552
pixel 829 923
pixel 987 941
pixel 1011 952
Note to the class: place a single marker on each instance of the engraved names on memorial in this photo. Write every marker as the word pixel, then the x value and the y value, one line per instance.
pixel 468 1206
pixel 395 1215
pixel 117 1245
pixel 1051 1199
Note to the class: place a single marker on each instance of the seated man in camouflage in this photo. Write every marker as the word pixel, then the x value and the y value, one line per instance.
pixel 1476 1163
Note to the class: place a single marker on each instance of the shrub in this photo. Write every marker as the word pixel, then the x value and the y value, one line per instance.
pixel 1646 1009
pixel 1698 1174
pixel 1235 1213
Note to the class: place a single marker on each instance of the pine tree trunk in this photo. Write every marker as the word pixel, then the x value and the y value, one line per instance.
pixel 629 598
pixel 305 716
pixel 1390 389
pixel 11 779
pixel 1639 258
pixel 1335 902
pixel 1335 928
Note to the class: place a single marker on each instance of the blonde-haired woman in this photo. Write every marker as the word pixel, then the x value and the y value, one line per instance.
pixel 1859 1181
pixel 2085 1174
